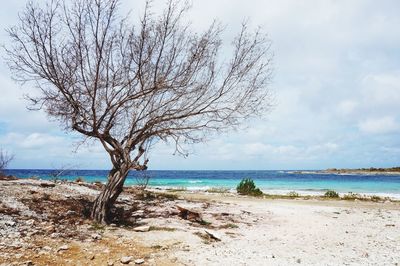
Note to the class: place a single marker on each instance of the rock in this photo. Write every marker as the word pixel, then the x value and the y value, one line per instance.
pixel 213 235
pixel 10 223
pixel 139 261
pixel 138 213
pixel 91 257
pixel 144 228
pixel 189 214
pixel 46 248
pixel 64 247
pixel 8 178
pixel 30 222
pixel 50 229
pixel 55 235
pixel 69 213
pixel 96 236
pixel 110 263
pixel 126 259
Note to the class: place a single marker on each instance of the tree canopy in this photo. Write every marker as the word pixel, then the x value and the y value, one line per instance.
pixel 128 84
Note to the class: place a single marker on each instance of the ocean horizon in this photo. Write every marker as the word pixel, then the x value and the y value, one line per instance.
pixel 269 181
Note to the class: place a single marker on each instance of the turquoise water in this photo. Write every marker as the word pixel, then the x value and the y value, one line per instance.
pixel 277 181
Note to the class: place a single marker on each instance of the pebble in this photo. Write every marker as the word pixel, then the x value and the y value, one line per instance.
pixel 10 223
pixel 96 236
pixel 139 261
pixel 55 235
pixel 70 213
pixel 46 248
pixel 30 222
pixel 144 228
pixel 126 259
pixel 64 247
pixel 110 263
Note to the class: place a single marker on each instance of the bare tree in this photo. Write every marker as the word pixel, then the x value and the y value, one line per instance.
pixel 5 159
pixel 142 180
pixel 127 86
pixel 61 170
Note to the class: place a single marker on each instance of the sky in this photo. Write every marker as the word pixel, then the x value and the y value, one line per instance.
pixel 336 86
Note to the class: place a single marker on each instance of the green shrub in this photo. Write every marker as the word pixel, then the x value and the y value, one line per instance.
pixel 331 194
pixel 247 187
pixel 293 194
pixel 376 198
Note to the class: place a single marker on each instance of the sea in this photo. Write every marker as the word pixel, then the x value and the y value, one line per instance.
pixel 269 181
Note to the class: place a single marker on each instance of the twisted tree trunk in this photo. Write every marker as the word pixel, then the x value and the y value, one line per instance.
pixel 106 199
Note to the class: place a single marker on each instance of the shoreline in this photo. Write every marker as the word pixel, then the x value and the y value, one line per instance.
pixel 271 182
pixel 268 192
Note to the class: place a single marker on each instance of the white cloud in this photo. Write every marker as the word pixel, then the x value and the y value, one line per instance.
pixel 347 107
pixel 382 125
pixel 382 88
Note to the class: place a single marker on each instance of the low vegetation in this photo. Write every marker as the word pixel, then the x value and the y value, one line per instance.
pixel 293 194
pixel 177 189
pixel 331 194
pixel 356 196
pixel 79 179
pixel 247 187
pixel 353 196
pixel 162 228
pixel 217 190
pixel 365 170
pixel 228 226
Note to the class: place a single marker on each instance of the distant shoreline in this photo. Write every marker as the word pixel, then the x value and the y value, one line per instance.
pixel 357 171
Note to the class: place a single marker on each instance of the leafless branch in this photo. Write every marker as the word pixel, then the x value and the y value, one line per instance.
pixel 5 160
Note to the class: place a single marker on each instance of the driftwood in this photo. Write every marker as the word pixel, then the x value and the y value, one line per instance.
pixel 189 214
pixel 47 184
pixel 213 235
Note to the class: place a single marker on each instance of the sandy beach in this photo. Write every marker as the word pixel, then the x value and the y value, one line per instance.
pixel 43 223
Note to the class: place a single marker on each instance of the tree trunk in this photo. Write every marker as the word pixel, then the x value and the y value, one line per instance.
pixel 106 199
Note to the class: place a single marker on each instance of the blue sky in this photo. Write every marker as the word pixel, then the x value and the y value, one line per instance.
pixel 336 85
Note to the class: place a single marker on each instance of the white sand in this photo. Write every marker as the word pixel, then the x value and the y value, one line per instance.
pixel 287 232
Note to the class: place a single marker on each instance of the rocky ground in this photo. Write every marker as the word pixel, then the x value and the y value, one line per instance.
pixel 45 223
